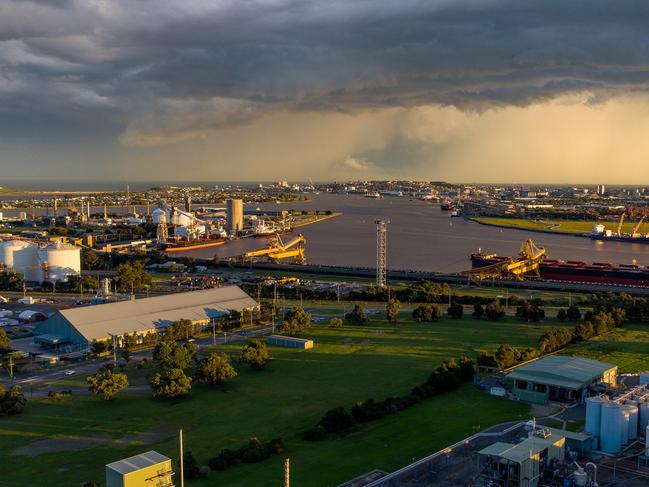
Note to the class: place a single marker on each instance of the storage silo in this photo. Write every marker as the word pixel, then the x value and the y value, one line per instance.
pixel 235 216
pixel 624 425
pixel 58 261
pixel 643 415
pixel 159 215
pixel 633 419
pixel 609 435
pixel 593 415
pixel 20 256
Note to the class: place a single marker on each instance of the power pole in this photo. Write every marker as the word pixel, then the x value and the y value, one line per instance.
pixel 287 472
pixel 182 470
pixel 381 252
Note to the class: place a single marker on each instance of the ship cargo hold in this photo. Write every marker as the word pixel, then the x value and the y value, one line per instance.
pixel 578 271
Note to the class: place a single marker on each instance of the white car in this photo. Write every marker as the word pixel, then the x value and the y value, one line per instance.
pixel 70 372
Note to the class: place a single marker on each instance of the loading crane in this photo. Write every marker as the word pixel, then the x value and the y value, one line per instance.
pixel 525 266
pixel 643 216
pixel 632 212
pixel 276 251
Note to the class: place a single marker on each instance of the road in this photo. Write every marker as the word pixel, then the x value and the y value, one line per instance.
pixel 33 382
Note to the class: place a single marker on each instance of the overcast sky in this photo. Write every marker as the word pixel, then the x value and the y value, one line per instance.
pixel 461 90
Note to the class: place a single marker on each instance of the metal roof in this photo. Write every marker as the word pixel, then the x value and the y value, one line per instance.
pixel 562 371
pixel 100 321
pixel 137 462
pixel 522 451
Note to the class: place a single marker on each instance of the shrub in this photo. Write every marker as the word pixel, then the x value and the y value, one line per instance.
pixel 314 434
pixel 335 323
pixel 336 420
pixel 255 353
pixel 455 311
pixel 357 315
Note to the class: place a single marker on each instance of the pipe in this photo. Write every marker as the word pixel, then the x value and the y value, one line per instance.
pixel 591 464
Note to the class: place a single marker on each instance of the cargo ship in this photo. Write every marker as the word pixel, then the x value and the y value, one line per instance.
pixel 578 271
pixel 184 245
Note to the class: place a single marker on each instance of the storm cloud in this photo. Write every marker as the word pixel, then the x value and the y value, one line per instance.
pixel 155 72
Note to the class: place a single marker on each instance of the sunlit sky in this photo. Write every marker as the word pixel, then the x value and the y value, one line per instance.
pixel 491 91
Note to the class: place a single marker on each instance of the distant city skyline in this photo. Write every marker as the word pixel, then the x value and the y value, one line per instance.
pixel 498 92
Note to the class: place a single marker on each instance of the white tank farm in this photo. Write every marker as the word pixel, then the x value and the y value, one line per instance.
pixel 610 437
pixel 59 261
pixel 593 415
pixel 20 256
pixel 633 419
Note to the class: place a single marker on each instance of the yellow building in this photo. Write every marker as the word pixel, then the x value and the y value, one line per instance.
pixel 148 469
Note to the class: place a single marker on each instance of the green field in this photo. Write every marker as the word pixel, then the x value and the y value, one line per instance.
pixel 346 365
pixel 627 347
pixel 556 226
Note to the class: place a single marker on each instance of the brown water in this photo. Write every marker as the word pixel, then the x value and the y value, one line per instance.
pixel 420 237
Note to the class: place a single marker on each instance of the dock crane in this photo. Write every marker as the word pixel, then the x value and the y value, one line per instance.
pixel 632 212
pixel 525 266
pixel 643 216
pixel 276 251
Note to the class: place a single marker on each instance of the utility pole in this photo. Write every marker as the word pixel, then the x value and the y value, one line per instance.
pixel 213 332
pixel 287 472
pixel 381 252
pixel 182 470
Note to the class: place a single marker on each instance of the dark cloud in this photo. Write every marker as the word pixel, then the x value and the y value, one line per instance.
pixel 171 62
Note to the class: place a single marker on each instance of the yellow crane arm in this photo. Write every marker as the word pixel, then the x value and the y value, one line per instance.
pixel 637 226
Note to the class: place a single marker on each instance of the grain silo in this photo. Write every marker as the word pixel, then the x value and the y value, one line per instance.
pixel 20 256
pixel 235 216
pixel 59 261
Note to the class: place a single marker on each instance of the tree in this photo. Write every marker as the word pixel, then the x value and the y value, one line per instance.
pixel 191 468
pixel 336 420
pixel 392 309
pixel 255 353
pixel 494 311
pixel 573 313
pixel 182 329
pixel 170 354
pixel 357 316
pixel 107 383
pixel 5 342
pixel 335 323
pixel 11 281
pixel 455 311
pixel 296 321
pixel 427 312
pixel 89 260
pixel 171 383
pixel 478 311
pixel 132 276
pixel 12 401
pixel 215 369
pixel 562 315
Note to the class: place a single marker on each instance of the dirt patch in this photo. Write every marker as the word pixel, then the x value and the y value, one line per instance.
pixel 71 443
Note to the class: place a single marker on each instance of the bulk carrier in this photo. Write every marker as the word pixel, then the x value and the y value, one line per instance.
pixel 578 271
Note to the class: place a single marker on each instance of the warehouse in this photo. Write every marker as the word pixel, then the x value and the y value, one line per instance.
pixel 78 328
pixel 559 378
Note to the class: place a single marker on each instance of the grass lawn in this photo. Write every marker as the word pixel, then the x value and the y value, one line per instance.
pixel 561 226
pixel 628 347
pixel 346 365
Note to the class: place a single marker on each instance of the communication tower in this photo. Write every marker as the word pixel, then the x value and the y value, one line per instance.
pixel 381 252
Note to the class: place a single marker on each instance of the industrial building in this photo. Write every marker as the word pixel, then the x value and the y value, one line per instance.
pixel 78 328
pixel 145 470
pixel 234 216
pixel 290 342
pixel 559 378
pixel 54 262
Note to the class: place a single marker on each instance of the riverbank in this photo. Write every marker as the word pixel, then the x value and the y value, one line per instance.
pixel 575 228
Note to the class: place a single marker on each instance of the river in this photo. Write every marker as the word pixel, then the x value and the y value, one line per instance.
pixel 420 237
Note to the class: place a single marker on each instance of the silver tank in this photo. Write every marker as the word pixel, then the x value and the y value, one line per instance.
pixel 593 415
pixel 632 407
pixel 610 437
pixel 624 425
pixel 643 415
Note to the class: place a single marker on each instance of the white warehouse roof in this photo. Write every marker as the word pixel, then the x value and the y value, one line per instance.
pixel 101 321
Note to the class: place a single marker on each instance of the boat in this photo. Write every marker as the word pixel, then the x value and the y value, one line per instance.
pixel 183 245
pixel 578 271
pixel 376 196
pixel 643 239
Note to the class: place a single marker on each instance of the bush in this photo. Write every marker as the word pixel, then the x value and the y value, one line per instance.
pixel 171 383
pixel 276 446
pixel 336 420
pixel 427 312
pixel 494 311
pixel 255 353
pixel 335 323
pixel 455 311
pixel 357 315
pixel 314 434
pixel 478 311
pixel 12 400
pixel 224 460
pixel 367 410
pixel 191 468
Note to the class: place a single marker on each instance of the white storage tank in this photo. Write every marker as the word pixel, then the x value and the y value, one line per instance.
pixel 58 261
pixel 624 425
pixel 593 415
pixel 20 256
pixel 159 216
pixel 632 407
pixel 610 437
pixel 643 415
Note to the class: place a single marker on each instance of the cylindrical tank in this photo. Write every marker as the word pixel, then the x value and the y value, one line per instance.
pixel 580 476
pixel 633 419
pixel 646 441
pixel 609 434
pixel 58 261
pixel 624 425
pixel 593 415
pixel 159 216
pixel 235 216
pixel 643 415
pixel 20 256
